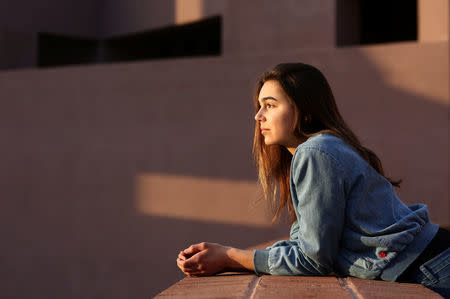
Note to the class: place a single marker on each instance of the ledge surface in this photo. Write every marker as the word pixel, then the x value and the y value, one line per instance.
pixel 245 285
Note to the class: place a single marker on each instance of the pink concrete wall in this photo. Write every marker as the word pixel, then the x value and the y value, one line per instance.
pixel 260 27
pixel 125 17
pixel 56 16
pixel 21 20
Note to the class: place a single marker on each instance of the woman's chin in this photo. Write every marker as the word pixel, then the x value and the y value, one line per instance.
pixel 269 142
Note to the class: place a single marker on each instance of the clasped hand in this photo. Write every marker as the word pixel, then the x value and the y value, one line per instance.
pixel 203 259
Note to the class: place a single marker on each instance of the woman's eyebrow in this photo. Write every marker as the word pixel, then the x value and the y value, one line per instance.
pixel 267 98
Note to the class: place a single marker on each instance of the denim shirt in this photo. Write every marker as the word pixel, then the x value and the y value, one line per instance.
pixel 349 218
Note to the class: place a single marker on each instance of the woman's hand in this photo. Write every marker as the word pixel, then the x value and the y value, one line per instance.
pixel 203 259
pixel 210 258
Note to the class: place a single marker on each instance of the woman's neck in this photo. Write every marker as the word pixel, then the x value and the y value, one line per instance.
pixel 294 144
pixel 291 149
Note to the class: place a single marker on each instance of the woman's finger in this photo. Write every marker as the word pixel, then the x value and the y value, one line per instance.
pixel 192 262
pixel 194 248
pixel 181 256
pixel 196 273
pixel 191 272
pixel 184 266
pixel 180 264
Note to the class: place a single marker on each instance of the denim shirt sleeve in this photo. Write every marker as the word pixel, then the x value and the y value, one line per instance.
pixel 318 195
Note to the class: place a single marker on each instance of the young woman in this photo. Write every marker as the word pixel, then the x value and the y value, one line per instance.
pixel 346 217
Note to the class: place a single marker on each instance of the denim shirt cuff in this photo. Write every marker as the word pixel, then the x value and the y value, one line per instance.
pixel 261 261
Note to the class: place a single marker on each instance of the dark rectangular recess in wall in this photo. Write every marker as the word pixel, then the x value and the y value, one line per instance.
pixel 202 38
pixel 57 50
pixel 362 22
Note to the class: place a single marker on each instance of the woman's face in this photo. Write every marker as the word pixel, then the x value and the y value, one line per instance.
pixel 276 116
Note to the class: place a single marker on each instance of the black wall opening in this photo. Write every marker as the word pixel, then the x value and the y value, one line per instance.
pixel 362 22
pixel 54 50
pixel 202 38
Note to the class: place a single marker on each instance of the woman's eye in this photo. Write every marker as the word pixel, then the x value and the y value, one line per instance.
pixel 269 105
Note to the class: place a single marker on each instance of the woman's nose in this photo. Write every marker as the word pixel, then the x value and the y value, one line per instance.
pixel 259 116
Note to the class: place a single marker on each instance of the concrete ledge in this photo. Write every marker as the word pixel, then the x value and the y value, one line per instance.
pixel 245 285
pixel 248 285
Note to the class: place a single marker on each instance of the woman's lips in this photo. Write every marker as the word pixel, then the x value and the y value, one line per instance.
pixel 264 131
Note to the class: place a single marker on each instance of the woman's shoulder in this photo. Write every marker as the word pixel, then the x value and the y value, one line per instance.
pixel 323 142
pixel 329 145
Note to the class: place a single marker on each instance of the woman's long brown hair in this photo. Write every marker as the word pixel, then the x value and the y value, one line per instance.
pixel 315 112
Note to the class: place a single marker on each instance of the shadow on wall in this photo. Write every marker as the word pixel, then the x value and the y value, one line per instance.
pixel 80 145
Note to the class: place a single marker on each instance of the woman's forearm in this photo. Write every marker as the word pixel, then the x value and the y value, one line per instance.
pixel 239 259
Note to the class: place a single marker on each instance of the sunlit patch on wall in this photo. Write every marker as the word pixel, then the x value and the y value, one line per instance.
pixel 203 199
pixel 188 11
